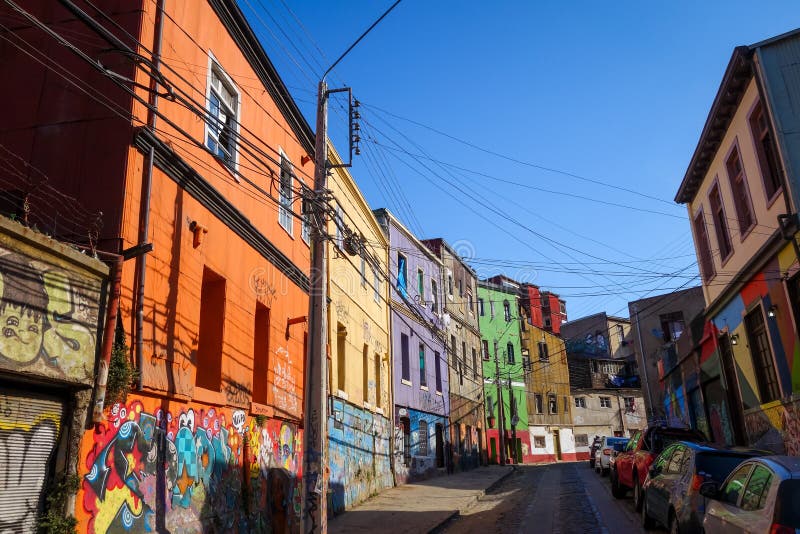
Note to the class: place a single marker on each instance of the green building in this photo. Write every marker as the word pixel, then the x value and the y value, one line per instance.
pixel 498 315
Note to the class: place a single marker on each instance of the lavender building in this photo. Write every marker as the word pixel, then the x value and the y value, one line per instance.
pixel 420 375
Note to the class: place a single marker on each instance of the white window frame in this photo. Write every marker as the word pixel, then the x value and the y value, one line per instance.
pixel 214 68
pixel 285 209
pixel 305 222
pixel 605 402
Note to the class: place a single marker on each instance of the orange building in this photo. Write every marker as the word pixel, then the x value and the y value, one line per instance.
pixel 207 162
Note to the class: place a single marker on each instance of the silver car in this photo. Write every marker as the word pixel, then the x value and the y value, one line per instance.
pixel 605 451
pixel 759 496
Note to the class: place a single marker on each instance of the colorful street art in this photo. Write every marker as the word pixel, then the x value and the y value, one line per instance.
pixel 423 449
pixel 48 318
pixel 359 455
pixel 191 469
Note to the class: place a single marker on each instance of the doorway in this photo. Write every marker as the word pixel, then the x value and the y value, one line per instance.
pixel 557 444
pixel 439 445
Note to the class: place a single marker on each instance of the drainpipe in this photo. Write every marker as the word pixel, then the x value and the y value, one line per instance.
pixel 144 212
pixel 108 339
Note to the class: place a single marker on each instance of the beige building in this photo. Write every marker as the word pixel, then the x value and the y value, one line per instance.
pixel 359 427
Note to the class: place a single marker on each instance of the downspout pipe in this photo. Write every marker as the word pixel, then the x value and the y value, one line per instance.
pixel 108 338
pixel 144 212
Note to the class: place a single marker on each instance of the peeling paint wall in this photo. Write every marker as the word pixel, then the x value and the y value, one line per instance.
pixel 188 468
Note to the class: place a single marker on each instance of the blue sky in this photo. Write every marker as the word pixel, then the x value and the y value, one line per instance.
pixel 469 108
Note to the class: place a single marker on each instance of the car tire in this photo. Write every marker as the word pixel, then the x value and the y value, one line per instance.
pixel 637 492
pixel 616 490
pixel 648 523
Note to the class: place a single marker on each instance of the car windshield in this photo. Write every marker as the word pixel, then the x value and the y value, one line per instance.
pixel 717 466
pixel 663 437
pixel 786 511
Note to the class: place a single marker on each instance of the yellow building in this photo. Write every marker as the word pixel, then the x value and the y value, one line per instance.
pixel 549 404
pixel 359 369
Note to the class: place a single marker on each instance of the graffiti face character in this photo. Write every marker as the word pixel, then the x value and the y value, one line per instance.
pixel 22 333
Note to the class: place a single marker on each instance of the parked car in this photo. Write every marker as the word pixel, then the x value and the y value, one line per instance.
pixel 606 450
pixel 631 466
pixel 761 495
pixel 671 491
pixel 593 450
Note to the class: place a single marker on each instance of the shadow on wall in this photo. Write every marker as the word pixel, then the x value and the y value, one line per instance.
pixel 191 470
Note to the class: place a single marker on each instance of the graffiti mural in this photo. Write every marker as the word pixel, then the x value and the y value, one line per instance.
pixel 191 469
pixel 28 433
pixel 359 458
pixel 423 447
pixel 48 318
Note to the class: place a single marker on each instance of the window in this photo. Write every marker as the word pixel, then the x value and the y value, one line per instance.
pixel 286 197
pixel 461 288
pixel 566 405
pixel 450 285
pixel 376 283
pixel 741 193
pixel 423 381
pixel 421 286
pixel 405 423
pixel 363 269
pixel 365 372
pixel 547 322
pixel 470 303
pixel 755 494
pixel 581 440
pixel 731 491
pixel 464 353
pixel 552 404
pixel 423 438
pixel 507 311
pixel 405 363
pixel 720 222
pixel 537 400
pixel 703 247
pixel 676 461
pixel 630 404
pixel 766 151
pixel 378 381
pixel 491 309
pixel 210 329
pixel 605 402
pixel 261 354
pixel 434 296
pixel 402 275
pixel 510 353
pixel 474 363
pixel 538 442
pixel 341 356
pixel 580 402
pixel 485 349
pixel 620 333
pixel 305 222
pixel 544 356
pixel 481 310
pixel 338 222
pixel 672 325
pixel 762 356
pixel 223 115
pixel 562 306
pixel 438 368
pixel 453 348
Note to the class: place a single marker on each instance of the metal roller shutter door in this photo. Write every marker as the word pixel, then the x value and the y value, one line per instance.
pixel 29 429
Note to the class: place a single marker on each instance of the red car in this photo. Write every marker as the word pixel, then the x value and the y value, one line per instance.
pixel 631 466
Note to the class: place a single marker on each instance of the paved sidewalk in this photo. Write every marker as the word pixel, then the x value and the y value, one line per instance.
pixel 419 507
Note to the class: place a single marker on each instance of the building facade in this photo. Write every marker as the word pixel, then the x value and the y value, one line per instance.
pixel 545 309
pixel 609 412
pixel 503 372
pixel 420 379
pixel 657 324
pixel 359 369
pixel 741 192
pixel 209 437
pixel 467 417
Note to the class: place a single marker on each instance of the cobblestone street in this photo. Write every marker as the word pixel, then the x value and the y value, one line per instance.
pixel 558 498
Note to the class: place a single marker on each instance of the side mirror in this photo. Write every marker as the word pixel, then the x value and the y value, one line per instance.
pixel 709 489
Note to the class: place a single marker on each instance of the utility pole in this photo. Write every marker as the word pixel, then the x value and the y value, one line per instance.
pixel 500 416
pixel 315 417
pixel 315 517
pixel 512 403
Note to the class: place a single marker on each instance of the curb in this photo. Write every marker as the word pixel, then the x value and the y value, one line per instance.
pixel 455 515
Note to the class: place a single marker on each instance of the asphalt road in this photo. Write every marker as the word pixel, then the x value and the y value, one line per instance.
pixel 562 498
